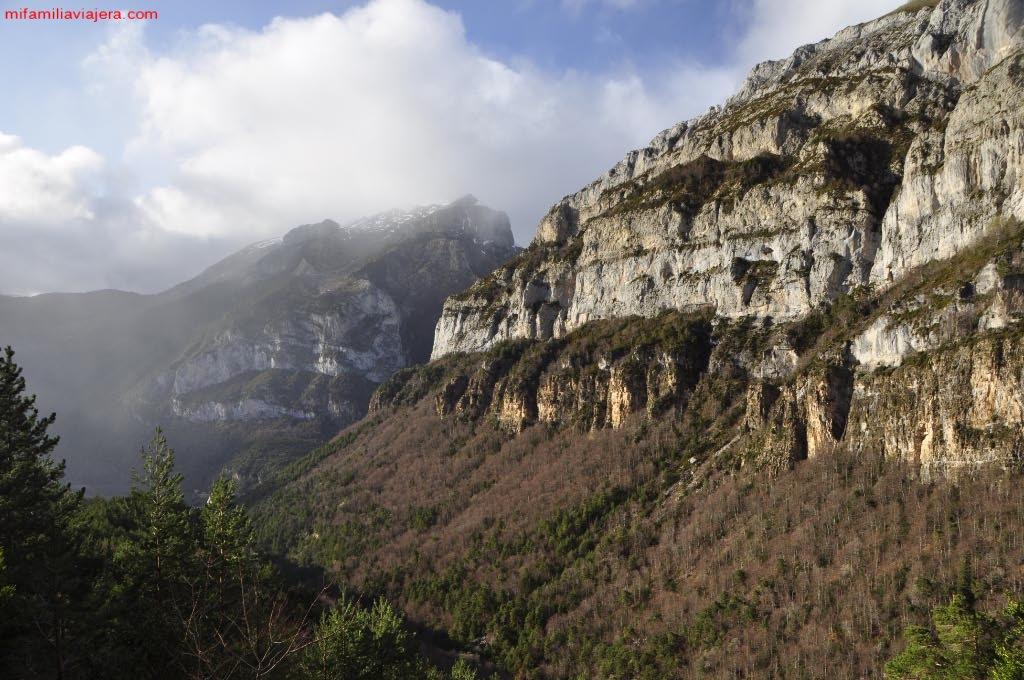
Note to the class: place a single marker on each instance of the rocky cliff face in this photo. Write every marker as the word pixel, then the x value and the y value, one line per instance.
pixel 852 162
pixel 931 376
pixel 927 371
pixel 598 377
pixel 855 209
pixel 352 330
pixel 328 302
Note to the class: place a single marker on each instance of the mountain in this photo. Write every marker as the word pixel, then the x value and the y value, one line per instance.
pixel 748 404
pixel 263 355
pixel 849 164
pixel 850 169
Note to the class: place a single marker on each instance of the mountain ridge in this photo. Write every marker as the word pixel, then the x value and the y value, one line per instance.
pixel 716 420
pixel 288 335
pixel 619 245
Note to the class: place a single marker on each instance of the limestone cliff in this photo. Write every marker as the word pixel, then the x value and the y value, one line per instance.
pixel 598 377
pixel 323 303
pixel 931 376
pixel 854 213
pixel 893 144
pixel 927 371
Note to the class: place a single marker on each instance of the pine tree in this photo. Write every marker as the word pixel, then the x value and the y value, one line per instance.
pixel 239 623
pixel 36 535
pixel 1009 655
pixel 353 643
pixel 957 646
pixel 226 574
pixel 33 498
pixel 463 671
pixel 227 530
pixel 164 526
pixel 37 509
pixel 152 569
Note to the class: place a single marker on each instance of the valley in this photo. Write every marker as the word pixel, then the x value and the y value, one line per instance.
pixel 749 405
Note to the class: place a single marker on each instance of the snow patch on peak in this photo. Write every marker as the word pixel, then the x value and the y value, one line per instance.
pixel 269 243
pixel 392 220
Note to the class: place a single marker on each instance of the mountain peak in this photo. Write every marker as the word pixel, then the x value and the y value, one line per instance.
pixel 465 201
pixel 308 232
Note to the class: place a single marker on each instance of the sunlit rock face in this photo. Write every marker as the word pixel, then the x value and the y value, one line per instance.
pixel 859 158
pixel 880 171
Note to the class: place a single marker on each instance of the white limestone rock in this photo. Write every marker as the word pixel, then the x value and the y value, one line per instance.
pixel 895 143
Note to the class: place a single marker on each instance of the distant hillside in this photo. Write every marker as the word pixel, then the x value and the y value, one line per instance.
pixel 262 356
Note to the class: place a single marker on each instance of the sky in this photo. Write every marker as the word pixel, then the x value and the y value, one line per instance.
pixel 133 154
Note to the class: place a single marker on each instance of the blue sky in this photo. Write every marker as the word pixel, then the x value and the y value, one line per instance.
pixel 134 155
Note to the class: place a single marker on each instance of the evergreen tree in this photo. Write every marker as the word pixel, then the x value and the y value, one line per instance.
pixel 921 658
pixel 227 530
pixel 353 643
pixel 184 593
pixel 1009 661
pixel 150 572
pixel 37 510
pixel 463 671
pixel 957 646
pixel 239 622
pixel 163 538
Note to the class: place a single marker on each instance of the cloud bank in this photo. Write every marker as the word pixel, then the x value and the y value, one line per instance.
pixel 240 134
pixel 386 105
pixel 45 190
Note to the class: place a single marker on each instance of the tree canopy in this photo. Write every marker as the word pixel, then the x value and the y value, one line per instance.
pixel 147 586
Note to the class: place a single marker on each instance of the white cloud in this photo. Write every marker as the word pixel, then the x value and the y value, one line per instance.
pixel 65 227
pixel 386 105
pixel 43 189
pixel 249 132
pixel 777 27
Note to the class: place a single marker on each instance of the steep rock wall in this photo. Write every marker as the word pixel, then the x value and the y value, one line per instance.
pixel 598 378
pixel 847 165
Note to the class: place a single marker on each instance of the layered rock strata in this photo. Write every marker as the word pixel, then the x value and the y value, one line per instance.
pixel 850 163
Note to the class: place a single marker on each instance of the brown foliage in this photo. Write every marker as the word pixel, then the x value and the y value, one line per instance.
pixel 652 551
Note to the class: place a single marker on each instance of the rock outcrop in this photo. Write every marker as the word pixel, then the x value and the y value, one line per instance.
pixel 354 302
pixel 935 378
pixel 855 160
pixel 599 377
pixel 855 212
